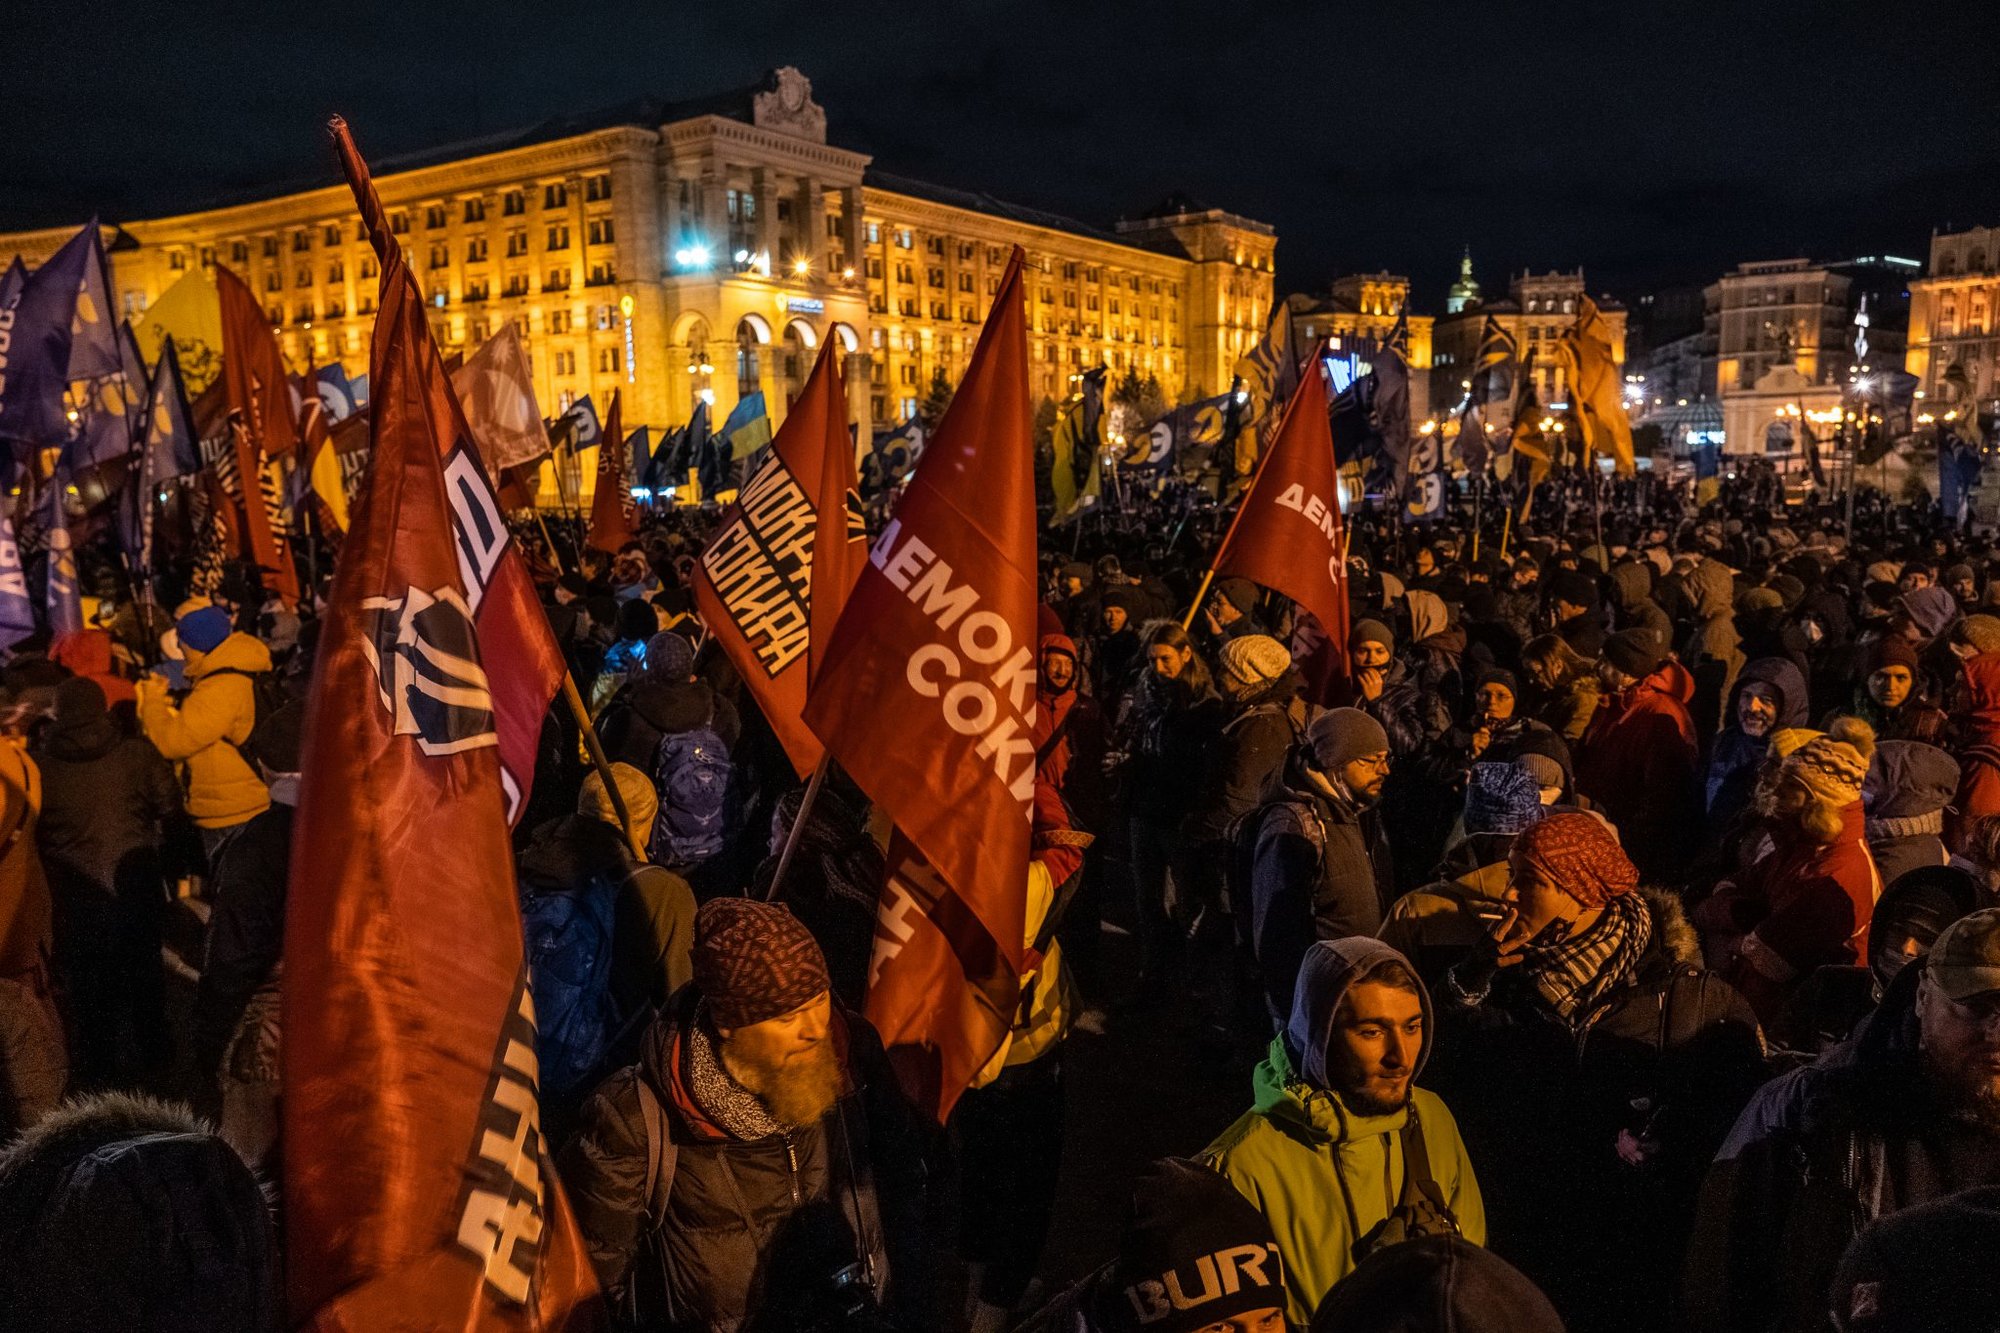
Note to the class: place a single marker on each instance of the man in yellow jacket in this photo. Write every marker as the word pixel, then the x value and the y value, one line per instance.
pixel 1321 1152
pixel 203 732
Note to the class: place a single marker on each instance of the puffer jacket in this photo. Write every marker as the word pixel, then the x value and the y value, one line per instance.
pixel 203 731
pixel 1247 757
pixel 34 1060
pixel 105 798
pixel 1632 597
pixel 1713 649
pixel 1979 753
pixel 1325 1175
pixel 745 1229
pixel 1413 719
pixel 87 653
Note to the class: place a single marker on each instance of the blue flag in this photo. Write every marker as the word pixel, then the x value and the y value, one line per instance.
pixel 38 356
pixel 1197 425
pixel 61 595
pixel 889 461
pixel 357 392
pixel 11 283
pixel 583 424
pixel 172 448
pixel 748 427
pixel 1958 473
pixel 93 332
pixel 17 609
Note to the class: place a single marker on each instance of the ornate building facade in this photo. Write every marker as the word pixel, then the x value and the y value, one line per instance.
pixel 1537 310
pixel 707 250
pixel 1955 318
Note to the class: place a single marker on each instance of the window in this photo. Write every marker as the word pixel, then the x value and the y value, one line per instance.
pixel 1069 300
pixel 1090 301
pixel 239 252
pixel 275 314
pixel 964 281
pixel 517 285
pixel 475 210
pixel 399 223
pixel 597 187
pixel 475 249
pixel 301 241
pixel 368 269
pixel 603 316
pixel 557 281
pixel 304 314
pixel 878 407
pixel 558 321
pixel 558 238
pixel 874 267
pixel 434 216
pixel 302 276
pixel 610 360
pixel 335 308
pixel 908 305
pixel 512 204
pixel 440 255
pixel 330 233
pixel 934 244
pixel 555 195
pixel 993 286
pixel 909 373
pixel 1048 296
pixel 601 272
pixel 905 273
pixel 336 272
pixel 600 231
pixel 565 363
pixel 935 276
pixel 274 281
pixel 968 314
pixel 909 408
pixel 904 239
pixel 874 233
pixel 517 242
pixel 476 289
pixel 833 224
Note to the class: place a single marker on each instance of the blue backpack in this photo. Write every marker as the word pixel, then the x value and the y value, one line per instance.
pixel 692 772
pixel 568 940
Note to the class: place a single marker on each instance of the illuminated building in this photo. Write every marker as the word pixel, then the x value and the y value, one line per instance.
pixel 1364 307
pixel 1537 310
pixel 743 241
pixel 1794 312
pixel 1955 319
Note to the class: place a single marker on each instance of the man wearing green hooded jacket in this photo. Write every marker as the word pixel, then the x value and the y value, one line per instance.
pixel 1321 1152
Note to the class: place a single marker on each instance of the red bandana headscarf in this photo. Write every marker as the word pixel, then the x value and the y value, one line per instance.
pixel 1579 855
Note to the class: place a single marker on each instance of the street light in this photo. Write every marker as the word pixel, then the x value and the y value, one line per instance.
pixel 801 266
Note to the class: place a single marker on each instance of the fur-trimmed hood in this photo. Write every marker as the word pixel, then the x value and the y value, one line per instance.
pixel 1671 926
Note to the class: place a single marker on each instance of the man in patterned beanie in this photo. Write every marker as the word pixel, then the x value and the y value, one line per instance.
pixel 754 1155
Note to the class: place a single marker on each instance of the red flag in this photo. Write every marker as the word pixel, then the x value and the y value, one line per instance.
pixel 253 376
pixel 1287 532
pixel 773 578
pixel 418 1191
pixel 611 506
pixel 926 696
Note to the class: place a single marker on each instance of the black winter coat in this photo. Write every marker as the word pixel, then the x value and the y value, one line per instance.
pixel 746 1231
pixel 105 798
pixel 1247 758
pixel 1320 870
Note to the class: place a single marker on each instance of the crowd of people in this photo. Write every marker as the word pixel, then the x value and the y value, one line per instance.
pixel 1615 947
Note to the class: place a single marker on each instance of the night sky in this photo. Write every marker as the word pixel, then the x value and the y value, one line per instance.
pixel 1652 144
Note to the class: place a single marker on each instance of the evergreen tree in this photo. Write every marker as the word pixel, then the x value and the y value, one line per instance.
pixel 936 399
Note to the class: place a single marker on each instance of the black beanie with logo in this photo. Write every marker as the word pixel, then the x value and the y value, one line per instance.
pixel 1194 1253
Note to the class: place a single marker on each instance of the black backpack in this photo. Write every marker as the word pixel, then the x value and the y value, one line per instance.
pixel 267 695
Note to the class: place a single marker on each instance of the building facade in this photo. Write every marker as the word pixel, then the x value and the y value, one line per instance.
pixel 1954 333
pixel 1793 312
pixel 1537 310
pixel 707 250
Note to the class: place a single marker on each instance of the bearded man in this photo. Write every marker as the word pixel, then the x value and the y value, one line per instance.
pixel 1905 1112
pixel 757 1161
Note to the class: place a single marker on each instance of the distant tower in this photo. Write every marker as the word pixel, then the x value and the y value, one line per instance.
pixel 1465 291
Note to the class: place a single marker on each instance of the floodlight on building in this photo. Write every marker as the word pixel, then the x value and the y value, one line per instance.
pixel 741 256
pixel 802 266
pixel 847 274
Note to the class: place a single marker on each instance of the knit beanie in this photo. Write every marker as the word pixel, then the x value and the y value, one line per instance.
pixel 1833 767
pixel 635 789
pixel 1194 1253
pixel 1255 658
pixel 669 655
pixel 1923 1269
pixel 637 620
pixel 1435 1284
pixel 754 961
pixel 1501 798
pixel 202 631
pixel 1240 593
pixel 1763 599
pixel 79 699
pixel 1339 736
pixel 1371 631
pixel 1498 676
pixel 1891 650
pixel 1579 855
pixel 1572 586
pixel 1980 633
pixel 1635 652
pixel 1787 739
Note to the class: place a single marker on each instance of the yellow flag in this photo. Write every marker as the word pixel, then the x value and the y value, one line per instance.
pixel 1596 392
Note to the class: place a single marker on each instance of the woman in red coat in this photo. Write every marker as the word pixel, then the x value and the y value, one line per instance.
pixel 1638 759
pixel 1808 901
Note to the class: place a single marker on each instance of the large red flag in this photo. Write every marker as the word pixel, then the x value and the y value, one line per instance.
pixel 773 578
pixel 418 1191
pixel 611 505
pixel 926 696
pixel 1287 532
pixel 253 377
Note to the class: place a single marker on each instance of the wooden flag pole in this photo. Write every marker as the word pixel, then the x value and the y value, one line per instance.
pixel 1506 531
pixel 602 764
pixel 813 784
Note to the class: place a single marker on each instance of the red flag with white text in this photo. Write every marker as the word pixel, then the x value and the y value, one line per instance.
pixel 1287 533
pixel 611 504
pixel 418 1190
pixel 926 696
pixel 260 397
pixel 772 580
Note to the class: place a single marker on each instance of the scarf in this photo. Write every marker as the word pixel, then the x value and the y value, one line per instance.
pixel 1571 977
pixel 731 1106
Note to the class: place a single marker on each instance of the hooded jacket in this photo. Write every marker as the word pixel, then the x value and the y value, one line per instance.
pixel 1324 1175
pixel 656 705
pixel 1732 766
pixel 1818 1154
pixel 1413 718
pixel 34 1063
pixel 1979 755
pixel 1713 649
pixel 87 653
pixel 744 1225
pixel 1909 786
pixel 1632 596
pixel 1436 646
pixel 1636 763
pixel 120 1212
pixel 105 797
pixel 1248 756
pixel 202 732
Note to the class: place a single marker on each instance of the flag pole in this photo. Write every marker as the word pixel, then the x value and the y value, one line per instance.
pixel 813 784
pixel 1243 503
pixel 602 763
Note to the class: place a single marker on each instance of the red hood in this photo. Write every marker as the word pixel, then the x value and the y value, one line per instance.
pixel 86 652
pixel 1671 678
pixel 1982 691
